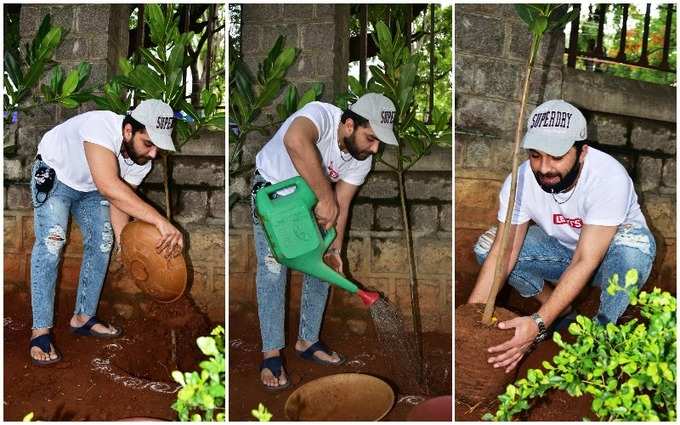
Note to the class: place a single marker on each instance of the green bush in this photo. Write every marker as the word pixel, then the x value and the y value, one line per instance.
pixel 629 369
pixel 24 70
pixel 202 395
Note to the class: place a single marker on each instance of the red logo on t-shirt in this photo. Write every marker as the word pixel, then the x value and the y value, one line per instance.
pixel 332 172
pixel 576 223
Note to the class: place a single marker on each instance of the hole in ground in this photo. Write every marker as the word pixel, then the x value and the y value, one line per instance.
pixel 167 343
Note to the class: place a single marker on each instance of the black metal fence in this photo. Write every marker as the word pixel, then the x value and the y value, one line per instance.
pixel 595 52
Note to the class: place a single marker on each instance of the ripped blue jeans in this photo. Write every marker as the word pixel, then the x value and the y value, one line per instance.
pixel 270 282
pixel 542 258
pixel 51 213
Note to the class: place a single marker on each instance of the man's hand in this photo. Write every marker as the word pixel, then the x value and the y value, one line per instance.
pixel 171 240
pixel 333 259
pixel 512 351
pixel 326 212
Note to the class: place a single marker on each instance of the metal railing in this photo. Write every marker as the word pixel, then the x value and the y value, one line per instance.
pixel 596 52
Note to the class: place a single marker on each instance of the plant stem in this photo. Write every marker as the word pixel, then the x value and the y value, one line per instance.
pixel 166 185
pixel 415 306
pixel 501 265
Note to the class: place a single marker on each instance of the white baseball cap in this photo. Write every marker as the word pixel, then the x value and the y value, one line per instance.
pixel 158 118
pixel 380 113
pixel 553 127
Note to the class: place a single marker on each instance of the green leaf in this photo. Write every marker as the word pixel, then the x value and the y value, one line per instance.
pixel 539 25
pixel 154 17
pixel 70 83
pixel 559 23
pixel 176 58
pixel 69 102
pixel 526 13
pixel 407 78
pixel 309 96
pixel 49 43
pixel 13 69
pixel 178 377
pixel 283 62
pixel 153 61
pixel 384 38
pixel 355 86
pixel 124 66
pixel 207 346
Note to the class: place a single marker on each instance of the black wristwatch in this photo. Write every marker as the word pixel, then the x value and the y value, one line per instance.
pixel 542 332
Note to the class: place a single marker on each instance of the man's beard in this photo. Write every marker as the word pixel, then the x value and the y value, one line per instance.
pixel 129 150
pixel 351 147
pixel 565 181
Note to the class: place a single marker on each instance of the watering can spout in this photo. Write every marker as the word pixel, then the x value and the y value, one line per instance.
pixel 369 298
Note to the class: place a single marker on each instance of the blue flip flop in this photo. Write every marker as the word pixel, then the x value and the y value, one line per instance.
pixel 275 365
pixel 43 342
pixel 86 329
pixel 308 354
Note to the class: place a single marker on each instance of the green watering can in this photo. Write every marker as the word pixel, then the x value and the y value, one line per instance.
pixel 294 236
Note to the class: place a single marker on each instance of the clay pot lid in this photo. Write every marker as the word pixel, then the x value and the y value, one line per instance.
pixel 162 279
pixel 341 397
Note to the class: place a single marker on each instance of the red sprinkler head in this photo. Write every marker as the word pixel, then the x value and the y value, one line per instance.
pixel 368 297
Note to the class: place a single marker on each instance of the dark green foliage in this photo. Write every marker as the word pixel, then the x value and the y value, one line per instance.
pixel 24 70
pixel 159 75
pixel 250 95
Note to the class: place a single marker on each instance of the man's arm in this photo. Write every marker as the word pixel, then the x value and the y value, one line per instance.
pixel 104 170
pixel 300 142
pixel 591 248
pixel 344 193
pixel 485 277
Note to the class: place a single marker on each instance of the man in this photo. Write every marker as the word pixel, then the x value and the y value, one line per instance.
pixel 332 151
pixel 587 225
pixel 90 166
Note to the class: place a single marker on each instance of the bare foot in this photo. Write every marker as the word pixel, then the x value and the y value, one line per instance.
pixel 36 352
pixel 267 376
pixel 302 345
pixel 80 319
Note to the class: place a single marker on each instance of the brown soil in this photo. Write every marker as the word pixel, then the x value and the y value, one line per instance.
pixel 476 379
pixel 363 354
pixel 100 379
pixel 556 405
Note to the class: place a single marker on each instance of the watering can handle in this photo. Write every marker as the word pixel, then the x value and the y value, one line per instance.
pixel 298 183
pixel 328 238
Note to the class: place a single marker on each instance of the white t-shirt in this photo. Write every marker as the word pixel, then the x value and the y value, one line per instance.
pixel 275 165
pixel 604 195
pixel 62 149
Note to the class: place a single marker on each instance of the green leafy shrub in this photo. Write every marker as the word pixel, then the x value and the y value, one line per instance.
pixel 202 395
pixel 629 369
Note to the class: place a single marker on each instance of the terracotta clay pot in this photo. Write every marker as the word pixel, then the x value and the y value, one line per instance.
pixel 341 397
pixel 162 279
pixel 477 380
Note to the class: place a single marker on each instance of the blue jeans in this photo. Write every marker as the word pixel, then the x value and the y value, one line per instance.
pixel 543 258
pixel 270 281
pixel 51 215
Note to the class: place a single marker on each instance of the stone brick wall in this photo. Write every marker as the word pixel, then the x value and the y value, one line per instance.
pixel 631 120
pixel 375 252
pixel 99 34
